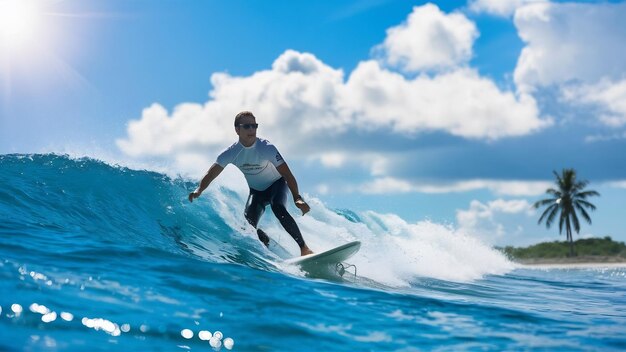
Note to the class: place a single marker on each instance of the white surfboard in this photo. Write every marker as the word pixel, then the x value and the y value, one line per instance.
pixel 323 263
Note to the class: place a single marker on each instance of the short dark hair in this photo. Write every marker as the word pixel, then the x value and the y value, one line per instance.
pixel 241 115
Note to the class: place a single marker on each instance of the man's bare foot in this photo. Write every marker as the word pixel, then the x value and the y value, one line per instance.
pixel 305 250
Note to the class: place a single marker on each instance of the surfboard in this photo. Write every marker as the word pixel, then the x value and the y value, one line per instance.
pixel 279 250
pixel 323 263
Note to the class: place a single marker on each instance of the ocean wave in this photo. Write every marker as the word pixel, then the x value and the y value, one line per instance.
pixel 68 200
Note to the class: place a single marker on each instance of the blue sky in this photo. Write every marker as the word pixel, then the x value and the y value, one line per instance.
pixel 451 111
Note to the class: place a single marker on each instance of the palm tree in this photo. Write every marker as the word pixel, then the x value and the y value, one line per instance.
pixel 568 197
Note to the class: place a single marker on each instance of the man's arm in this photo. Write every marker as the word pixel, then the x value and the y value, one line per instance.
pixel 284 171
pixel 213 172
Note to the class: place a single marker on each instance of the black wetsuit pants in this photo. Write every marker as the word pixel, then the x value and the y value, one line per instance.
pixel 276 196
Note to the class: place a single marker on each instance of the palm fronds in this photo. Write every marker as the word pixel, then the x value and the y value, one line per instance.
pixel 569 198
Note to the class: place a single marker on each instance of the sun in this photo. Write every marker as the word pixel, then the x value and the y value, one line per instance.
pixel 19 20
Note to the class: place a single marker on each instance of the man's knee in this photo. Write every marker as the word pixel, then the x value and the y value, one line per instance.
pixel 279 210
pixel 248 216
pixel 253 214
pixel 288 223
pixel 250 219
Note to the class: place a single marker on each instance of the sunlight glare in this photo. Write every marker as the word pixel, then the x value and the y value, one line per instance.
pixel 18 21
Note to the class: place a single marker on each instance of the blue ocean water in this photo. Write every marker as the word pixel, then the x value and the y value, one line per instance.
pixel 95 257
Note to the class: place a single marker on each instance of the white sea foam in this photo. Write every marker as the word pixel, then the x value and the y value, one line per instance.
pixel 393 251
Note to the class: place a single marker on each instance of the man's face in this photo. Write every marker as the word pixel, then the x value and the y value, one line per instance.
pixel 246 135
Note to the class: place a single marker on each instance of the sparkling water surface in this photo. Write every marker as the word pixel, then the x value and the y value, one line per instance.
pixel 102 258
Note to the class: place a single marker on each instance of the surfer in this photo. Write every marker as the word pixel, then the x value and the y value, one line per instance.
pixel 268 177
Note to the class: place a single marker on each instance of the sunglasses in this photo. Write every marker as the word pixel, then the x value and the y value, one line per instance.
pixel 247 126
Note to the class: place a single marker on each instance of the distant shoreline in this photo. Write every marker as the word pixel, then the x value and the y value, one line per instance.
pixel 574 262
pixel 591 252
pixel 587 259
pixel 573 266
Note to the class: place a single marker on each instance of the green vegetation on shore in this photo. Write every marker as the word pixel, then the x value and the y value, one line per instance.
pixel 589 249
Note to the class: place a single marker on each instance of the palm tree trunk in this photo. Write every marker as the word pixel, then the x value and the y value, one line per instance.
pixel 570 239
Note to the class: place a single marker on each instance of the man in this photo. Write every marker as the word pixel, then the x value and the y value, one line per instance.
pixel 268 177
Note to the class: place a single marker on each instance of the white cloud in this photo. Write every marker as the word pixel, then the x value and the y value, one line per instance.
pixel 568 42
pixel 302 96
pixel 503 8
pixel 387 185
pixel 377 164
pixel 482 220
pixel 429 39
pixel 607 96
pixel 511 206
pixel 617 184
pixel 186 129
pixel 333 159
pixel 519 188
pixel 605 137
pixel 322 188
pixel 459 102
pixel 578 49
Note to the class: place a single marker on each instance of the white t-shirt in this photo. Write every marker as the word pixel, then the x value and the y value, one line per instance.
pixel 257 162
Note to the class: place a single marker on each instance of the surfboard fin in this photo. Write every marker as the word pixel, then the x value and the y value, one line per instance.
pixel 341 268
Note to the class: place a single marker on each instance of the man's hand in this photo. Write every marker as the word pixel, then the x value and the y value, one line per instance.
pixel 213 172
pixel 193 195
pixel 301 204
